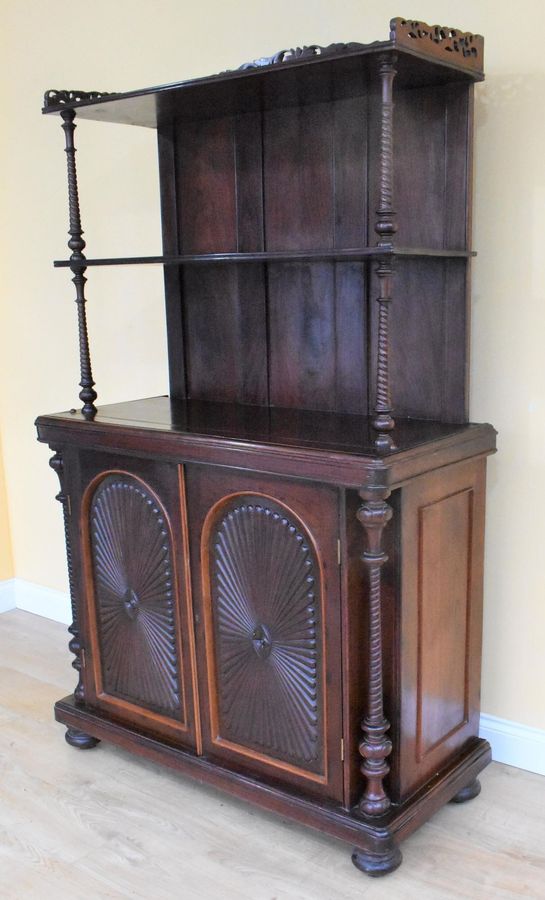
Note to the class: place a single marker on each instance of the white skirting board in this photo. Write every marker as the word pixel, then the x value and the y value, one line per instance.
pixel 7 595
pixel 513 744
pixel 19 594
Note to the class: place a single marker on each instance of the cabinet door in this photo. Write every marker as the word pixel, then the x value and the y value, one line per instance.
pixel 139 631
pixel 266 579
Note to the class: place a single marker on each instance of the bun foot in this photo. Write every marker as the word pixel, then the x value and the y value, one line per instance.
pixel 468 792
pixel 80 740
pixel 377 864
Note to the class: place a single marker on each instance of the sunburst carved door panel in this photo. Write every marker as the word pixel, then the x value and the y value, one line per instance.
pixel 270 604
pixel 139 620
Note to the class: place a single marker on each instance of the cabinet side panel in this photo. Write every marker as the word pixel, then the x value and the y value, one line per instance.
pixel 444 535
pixel 442 524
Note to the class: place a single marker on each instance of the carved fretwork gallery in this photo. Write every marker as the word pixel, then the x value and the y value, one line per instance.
pixel 276 570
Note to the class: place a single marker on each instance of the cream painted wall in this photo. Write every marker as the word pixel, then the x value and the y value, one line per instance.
pixel 6 559
pixel 132 43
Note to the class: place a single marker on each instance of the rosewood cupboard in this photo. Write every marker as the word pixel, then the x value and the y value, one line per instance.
pixel 276 585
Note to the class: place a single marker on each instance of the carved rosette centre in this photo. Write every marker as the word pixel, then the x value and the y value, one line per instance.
pixel 262 641
pixel 131 603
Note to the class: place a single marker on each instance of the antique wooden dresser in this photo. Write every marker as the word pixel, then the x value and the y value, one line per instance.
pixel 277 587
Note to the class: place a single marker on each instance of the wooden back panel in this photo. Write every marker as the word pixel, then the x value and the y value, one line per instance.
pixel 304 177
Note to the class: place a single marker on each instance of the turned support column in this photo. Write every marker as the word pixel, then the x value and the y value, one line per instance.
pixel 57 464
pixel 375 746
pixel 385 227
pixel 78 266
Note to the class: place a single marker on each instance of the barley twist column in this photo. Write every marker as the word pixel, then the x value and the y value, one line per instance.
pixel 375 747
pixel 386 228
pixel 78 265
pixel 57 464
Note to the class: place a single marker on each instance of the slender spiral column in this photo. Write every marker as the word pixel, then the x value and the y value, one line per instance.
pixel 57 464
pixel 385 228
pixel 77 265
pixel 375 746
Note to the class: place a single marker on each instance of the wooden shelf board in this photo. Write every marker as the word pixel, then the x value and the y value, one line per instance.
pixel 343 255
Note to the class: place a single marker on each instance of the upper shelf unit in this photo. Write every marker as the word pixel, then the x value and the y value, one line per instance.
pixel 427 55
pixel 278 182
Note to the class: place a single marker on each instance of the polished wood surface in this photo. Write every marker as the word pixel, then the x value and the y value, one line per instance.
pixel 135 622
pixel 342 255
pixel 247 424
pixel 280 714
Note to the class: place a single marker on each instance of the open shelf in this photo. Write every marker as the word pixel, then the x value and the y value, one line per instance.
pixel 348 255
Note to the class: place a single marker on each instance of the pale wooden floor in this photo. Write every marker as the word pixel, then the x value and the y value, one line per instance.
pixel 102 824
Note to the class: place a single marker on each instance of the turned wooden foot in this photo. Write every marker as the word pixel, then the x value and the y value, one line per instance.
pixel 80 740
pixel 380 863
pixel 468 792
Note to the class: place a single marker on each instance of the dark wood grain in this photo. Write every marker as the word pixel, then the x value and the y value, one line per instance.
pixel 197 430
pixel 303 742
pixel 268 256
pixel 139 658
pixel 441 578
pixel 225 334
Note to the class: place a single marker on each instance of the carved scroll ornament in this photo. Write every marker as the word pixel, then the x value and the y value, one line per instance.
pixel 302 53
pixel 61 98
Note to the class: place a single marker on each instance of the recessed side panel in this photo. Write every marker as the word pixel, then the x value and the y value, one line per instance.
pixel 442 522
pixel 444 536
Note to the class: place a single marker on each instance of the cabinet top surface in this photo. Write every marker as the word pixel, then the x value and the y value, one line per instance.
pixel 426 54
pixel 241 426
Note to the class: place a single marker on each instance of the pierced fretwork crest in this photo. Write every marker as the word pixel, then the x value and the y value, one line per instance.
pixel 440 41
pixel 61 98
pixel 305 52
